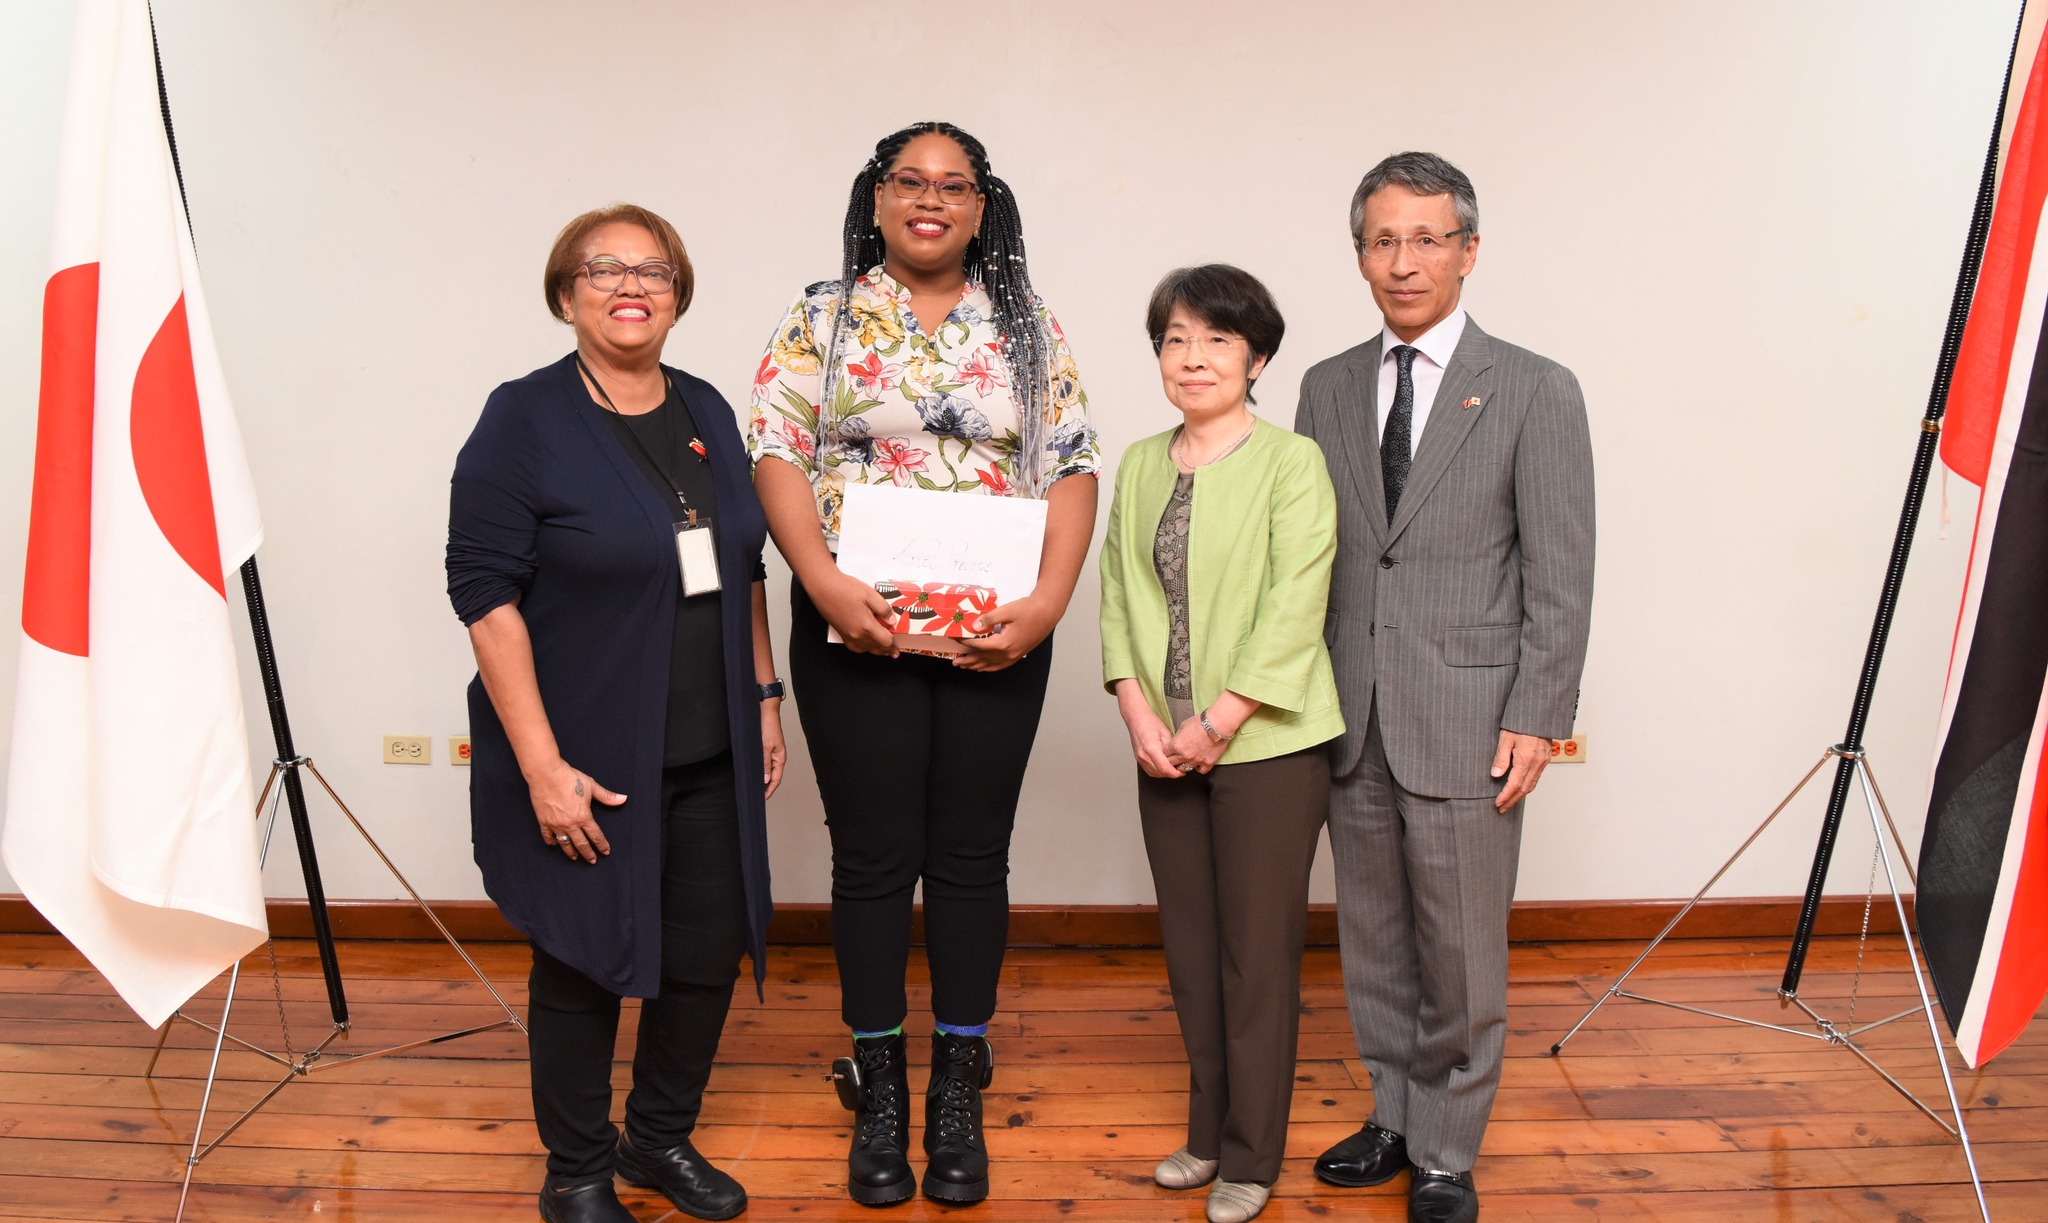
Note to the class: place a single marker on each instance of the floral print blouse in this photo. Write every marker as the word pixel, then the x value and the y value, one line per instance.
pixel 919 411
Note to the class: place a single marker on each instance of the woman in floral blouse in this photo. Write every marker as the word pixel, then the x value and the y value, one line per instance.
pixel 928 364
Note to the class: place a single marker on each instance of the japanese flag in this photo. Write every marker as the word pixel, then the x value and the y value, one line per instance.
pixel 130 819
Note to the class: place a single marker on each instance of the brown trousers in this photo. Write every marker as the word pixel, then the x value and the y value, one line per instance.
pixel 1230 854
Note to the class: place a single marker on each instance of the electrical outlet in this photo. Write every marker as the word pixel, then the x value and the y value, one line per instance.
pixel 1569 751
pixel 458 749
pixel 408 749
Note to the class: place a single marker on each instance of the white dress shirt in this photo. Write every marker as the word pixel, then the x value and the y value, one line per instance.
pixel 1436 347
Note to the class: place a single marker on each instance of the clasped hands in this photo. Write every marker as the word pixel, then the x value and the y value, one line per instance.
pixel 1162 752
pixel 1174 753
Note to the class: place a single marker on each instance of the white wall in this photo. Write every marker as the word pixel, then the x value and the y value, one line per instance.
pixel 1738 222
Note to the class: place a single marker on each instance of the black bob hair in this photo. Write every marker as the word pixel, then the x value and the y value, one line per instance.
pixel 1225 297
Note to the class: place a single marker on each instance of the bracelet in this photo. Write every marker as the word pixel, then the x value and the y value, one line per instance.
pixel 1211 730
pixel 770 691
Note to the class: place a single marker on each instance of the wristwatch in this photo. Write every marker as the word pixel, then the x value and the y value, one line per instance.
pixel 770 691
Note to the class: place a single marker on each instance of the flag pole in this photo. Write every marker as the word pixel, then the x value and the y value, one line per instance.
pixel 266 661
pixel 1851 747
pixel 288 762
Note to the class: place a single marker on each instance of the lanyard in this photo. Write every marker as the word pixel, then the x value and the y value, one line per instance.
pixel 674 400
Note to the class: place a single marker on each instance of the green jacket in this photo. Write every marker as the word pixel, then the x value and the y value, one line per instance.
pixel 1261 539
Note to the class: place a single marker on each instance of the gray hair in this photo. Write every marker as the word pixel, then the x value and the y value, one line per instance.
pixel 1424 174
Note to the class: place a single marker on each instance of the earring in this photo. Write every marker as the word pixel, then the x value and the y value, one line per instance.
pixel 878 220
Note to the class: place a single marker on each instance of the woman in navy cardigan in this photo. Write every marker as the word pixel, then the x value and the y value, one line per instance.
pixel 604 548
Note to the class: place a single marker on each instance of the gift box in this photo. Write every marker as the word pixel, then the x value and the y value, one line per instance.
pixel 936 609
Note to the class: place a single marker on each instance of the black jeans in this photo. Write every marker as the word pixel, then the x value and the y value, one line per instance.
pixel 573 1022
pixel 919 764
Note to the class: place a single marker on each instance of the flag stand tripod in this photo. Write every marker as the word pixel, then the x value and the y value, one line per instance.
pixel 1852 765
pixel 1816 1026
pixel 284 785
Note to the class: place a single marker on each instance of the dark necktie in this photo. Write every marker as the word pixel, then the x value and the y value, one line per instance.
pixel 1396 454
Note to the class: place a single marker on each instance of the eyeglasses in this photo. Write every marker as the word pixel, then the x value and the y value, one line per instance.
pixel 1177 345
pixel 1381 247
pixel 910 186
pixel 656 277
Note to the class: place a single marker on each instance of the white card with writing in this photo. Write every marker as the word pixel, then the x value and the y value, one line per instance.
pixel 914 535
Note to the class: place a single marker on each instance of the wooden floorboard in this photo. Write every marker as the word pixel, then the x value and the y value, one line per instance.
pixel 1652 1112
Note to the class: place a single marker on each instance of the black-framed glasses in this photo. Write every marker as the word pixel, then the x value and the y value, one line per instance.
pixel 1425 245
pixel 910 185
pixel 656 276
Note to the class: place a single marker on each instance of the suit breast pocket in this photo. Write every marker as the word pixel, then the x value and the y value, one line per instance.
pixel 1493 645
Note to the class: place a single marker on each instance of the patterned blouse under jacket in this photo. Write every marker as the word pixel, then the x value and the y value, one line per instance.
pixel 920 411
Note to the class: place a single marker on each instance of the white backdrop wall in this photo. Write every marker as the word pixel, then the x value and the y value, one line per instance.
pixel 1738 222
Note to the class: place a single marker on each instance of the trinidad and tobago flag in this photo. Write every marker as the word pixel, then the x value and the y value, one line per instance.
pixel 130 818
pixel 1983 888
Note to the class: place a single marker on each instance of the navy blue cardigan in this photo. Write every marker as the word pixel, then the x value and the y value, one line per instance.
pixel 547 507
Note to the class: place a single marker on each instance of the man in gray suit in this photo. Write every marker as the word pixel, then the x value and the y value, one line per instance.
pixel 1458 619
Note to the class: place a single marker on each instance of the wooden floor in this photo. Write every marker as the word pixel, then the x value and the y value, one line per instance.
pixel 1651 1113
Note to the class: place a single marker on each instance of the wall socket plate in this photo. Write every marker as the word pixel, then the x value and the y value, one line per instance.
pixel 458 749
pixel 408 749
pixel 1569 751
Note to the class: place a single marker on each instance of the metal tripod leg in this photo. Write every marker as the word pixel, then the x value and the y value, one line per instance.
pixel 205 1097
pixel 448 936
pixel 1920 982
pixel 220 1034
pixel 1905 857
pixel 1679 916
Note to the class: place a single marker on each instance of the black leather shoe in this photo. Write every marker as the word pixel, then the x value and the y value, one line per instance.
pixel 958 1169
pixel 683 1177
pixel 1372 1156
pixel 1442 1197
pixel 875 1085
pixel 583 1200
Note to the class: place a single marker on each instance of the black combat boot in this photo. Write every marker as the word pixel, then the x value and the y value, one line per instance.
pixel 958 1170
pixel 875 1085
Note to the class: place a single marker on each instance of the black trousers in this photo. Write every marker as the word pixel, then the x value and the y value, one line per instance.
pixel 1230 853
pixel 573 1022
pixel 919 764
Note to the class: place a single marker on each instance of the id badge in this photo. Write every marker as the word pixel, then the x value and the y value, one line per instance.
pixel 697 559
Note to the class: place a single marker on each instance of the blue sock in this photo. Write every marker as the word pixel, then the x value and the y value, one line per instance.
pixel 954 1029
pixel 895 1031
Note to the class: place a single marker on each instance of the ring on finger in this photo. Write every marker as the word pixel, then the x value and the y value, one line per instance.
pixel 563 837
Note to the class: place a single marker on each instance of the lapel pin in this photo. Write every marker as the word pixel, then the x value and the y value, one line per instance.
pixel 698 446
pixel 1472 402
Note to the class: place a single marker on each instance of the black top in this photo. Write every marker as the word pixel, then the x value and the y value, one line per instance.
pixel 696 684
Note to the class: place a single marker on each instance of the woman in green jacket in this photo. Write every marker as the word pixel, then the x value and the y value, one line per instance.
pixel 1215 582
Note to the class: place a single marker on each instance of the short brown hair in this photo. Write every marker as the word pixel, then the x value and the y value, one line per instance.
pixel 567 255
pixel 1227 298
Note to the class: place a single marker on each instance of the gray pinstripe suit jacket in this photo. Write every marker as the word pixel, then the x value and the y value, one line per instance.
pixel 1469 612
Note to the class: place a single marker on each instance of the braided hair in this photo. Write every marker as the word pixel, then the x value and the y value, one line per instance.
pixel 994 258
